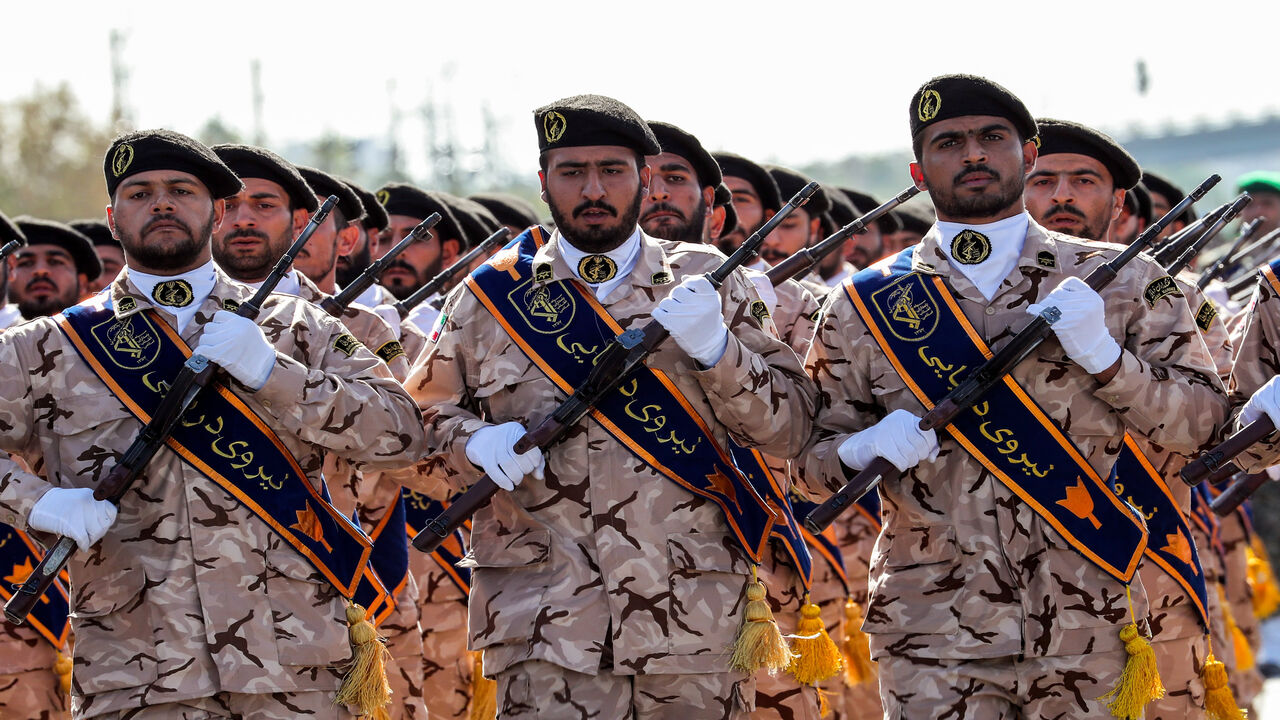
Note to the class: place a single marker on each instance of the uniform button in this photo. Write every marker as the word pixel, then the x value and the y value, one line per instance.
pixel 991 311
pixel 266 403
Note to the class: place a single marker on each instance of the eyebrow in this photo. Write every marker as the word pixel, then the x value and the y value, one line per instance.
pixel 165 181
pixel 952 134
pixel 265 195
pixel 50 250
pixel 1082 171
pixel 675 167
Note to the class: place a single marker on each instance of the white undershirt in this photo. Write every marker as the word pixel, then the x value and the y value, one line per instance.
pixel 625 256
pixel 288 285
pixel 201 279
pixel 1007 237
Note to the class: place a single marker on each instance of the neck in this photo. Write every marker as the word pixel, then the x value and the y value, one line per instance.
pixel 199 260
pixel 1004 214
pixel 328 284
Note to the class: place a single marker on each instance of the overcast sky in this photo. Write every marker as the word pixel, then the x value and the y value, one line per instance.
pixel 791 82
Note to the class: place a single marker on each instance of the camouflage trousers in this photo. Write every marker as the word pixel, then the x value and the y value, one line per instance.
pixel 446 665
pixel 237 706
pixel 1045 688
pixel 1180 661
pixel 33 694
pixel 780 697
pixel 545 691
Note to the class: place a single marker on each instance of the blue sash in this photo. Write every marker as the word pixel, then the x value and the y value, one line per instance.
pixel 419 511
pixel 51 617
pixel 560 328
pixel 389 561
pixel 789 534
pixel 137 356
pixel 924 334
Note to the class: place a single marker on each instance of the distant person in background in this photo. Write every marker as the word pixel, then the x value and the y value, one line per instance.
pixel 1135 215
pixel 350 266
pixel 106 246
pixel 53 271
pixel 916 218
pixel 1264 186
pixel 511 211
pixel 755 197
pixel 1164 195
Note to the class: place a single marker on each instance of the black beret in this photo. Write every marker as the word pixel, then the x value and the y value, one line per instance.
pixel 678 142
pixel 584 120
pixel 724 199
pixel 48 232
pixel 789 183
pixel 915 217
pixel 146 150
pixel 9 231
pixel 1138 201
pixel 888 223
pixel 96 230
pixel 375 217
pixel 475 220
pixel 952 96
pixel 842 212
pixel 1061 136
pixel 407 200
pixel 765 186
pixel 1171 193
pixel 509 209
pixel 249 161
pixel 325 185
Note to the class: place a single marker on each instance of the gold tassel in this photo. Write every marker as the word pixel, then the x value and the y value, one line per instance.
pixel 1219 703
pixel 1264 590
pixel 1244 653
pixel 759 644
pixel 824 705
pixel 484 692
pixel 858 665
pixel 62 668
pixel 365 687
pixel 1140 682
pixel 816 657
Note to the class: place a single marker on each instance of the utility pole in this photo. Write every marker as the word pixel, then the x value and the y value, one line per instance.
pixel 255 75
pixel 121 118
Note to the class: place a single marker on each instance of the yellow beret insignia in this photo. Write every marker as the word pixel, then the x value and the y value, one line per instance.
pixel 346 344
pixel 383 197
pixel 553 126
pixel 1161 287
pixel 390 351
pixel 122 159
pixel 1205 315
pixel 930 104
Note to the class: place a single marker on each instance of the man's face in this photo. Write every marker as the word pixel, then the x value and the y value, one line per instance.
pixel 351 265
pixel 1127 226
pixel 43 280
pixel 112 259
pixel 594 193
pixel 164 219
pixel 1265 205
pixel 676 207
pixel 319 257
pixel 973 167
pixel 797 231
pixel 1073 194
pixel 257 229
pixel 751 214
pixel 418 263
pixel 865 247
pixel 1161 205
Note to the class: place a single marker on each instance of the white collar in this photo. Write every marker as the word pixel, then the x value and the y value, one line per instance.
pixel 201 281
pixel 1005 238
pixel 288 285
pixel 624 256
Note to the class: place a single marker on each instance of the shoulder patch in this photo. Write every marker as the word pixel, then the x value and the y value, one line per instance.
pixel 660 278
pixel 542 273
pixel 126 304
pixel 759 310
pixel 346 344
pixel 1046 259
pixel 1205 314
pixel 1161 287
pixel 230 304
pixel 390 351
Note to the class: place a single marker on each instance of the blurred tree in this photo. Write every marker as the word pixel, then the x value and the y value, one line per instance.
pixel 217 132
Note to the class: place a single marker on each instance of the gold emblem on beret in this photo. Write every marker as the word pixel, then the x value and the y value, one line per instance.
pixel 174 293
pixel 597 268
pixel 122 159
pixel 1036 140
pixel 930 104
pixel 970 247
pixel 553 126
pixel 383 197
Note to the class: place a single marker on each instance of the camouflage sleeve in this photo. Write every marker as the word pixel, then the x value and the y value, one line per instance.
pixel 413 340
pixel 759 389
pixel 796 314
pixel 19 488
pixel 1212 329
pixel 1167 388
pixel 341 397
pixel 1256 362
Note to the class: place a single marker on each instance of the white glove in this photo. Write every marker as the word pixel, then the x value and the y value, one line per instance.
pixel 492 449
pixel 691 313
pixel 1265 400
pixel 72 512
pixel 1082 329
pixel 391 315
pixel 238 345
pixel 897 438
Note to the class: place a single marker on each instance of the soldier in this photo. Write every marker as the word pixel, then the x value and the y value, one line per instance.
pixel 108 249
pixel 213 591
pixel 513 212
pixel 868 246
pixel 755 196
pixel 608 582
pixel 406 207
pixel 682 187
pixel 999 582
pixel 350 266
pixel 1165 195
pixel 916 218
pixel 1135 215
pixel 53 271
pixel 1264 187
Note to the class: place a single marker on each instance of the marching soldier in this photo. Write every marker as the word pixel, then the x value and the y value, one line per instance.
pixel 406 207
pixel 608 581
pixel 350 266
pixel 53 271
pixel 108 249
pixel 219 587
pixel 1006 562
pixel 513 212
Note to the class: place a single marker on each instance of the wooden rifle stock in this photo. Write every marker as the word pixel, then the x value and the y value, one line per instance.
pixel 1239 491
pixel 1207 464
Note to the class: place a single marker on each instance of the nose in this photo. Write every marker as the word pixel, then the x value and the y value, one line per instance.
pixel 974 152
pixel 593 189
pixel 1062 192
pixel 658 191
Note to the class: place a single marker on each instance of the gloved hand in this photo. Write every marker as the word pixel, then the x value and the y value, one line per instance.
pixel 1082 329
pixel 491 449
pixel 897 438
pixel 691 313
pixel 238 345
pixel 1265 400
pixel 72 512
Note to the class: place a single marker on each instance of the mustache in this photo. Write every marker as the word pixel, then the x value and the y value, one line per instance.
pixel 972 170
pixel 401 265
pixel 595 205
pixel 771 255
pixel 171 219
pixel 42 281
pixel 663 207
pixel 1068 209
pixel 245 233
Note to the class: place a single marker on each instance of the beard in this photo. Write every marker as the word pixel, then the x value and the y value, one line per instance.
pixel 1090 229
pixel 32 308
pixel 949 203
pixel 396 285
pixel 350 266
pixel 255 265
pixel 685 230
pixel 175 256
pixel 599 239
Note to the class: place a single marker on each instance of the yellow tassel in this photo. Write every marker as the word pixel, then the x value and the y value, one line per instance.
pixel 759 644
pixel 858 665
pixel 1264 590
pixel 484 692
pixel 1244 654
pixel 824 705
pixel 62 668
pixel 816 657
pixel 1140 682
pixel 365 687
pixel 1219 703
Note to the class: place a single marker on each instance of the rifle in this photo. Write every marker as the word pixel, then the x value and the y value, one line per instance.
pixel 1246 233
pixel 1217 458
pixel 626 353
pixel 1239 491
pixel 335 304
pixel 10 248
pixel 1002 362
pixel 1173 246
pixel 800 263
pixel 433 286
pixel 1244 281
pixel 195 374
pixel 1209 233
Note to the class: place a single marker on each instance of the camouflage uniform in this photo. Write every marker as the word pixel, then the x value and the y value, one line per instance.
pixel 606 568
pixel 190 594
pixel 965 578
pixel 28 685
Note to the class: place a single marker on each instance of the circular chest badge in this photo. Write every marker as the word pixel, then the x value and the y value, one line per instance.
pixel 970 247
pixel 173 293
pixel 597 268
